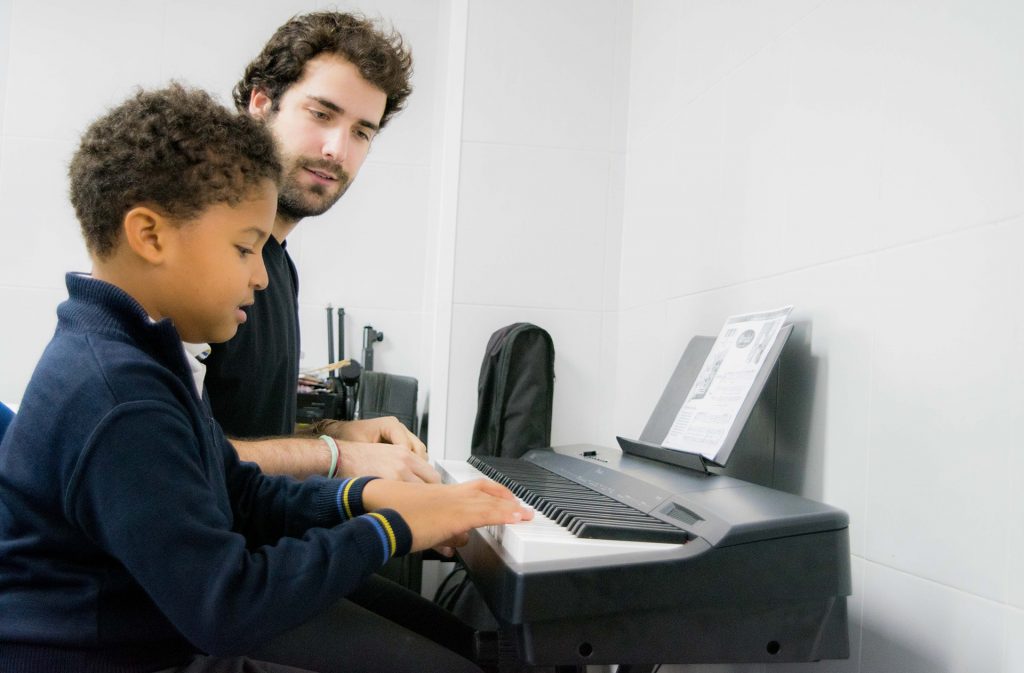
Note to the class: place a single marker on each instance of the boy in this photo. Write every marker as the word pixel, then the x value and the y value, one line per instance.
pixel 131 537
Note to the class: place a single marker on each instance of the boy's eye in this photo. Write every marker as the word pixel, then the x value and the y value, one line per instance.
pixel 243 251
pixel 317 114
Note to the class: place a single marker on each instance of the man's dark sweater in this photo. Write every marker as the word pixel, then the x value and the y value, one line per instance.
pixel 130 534
pixel 253 378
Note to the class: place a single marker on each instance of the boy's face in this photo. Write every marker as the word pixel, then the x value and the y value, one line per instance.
pixel 215 265
pixel 324 124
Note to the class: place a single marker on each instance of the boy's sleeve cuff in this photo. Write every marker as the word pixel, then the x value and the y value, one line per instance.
pixel 392 531
pixel 341 500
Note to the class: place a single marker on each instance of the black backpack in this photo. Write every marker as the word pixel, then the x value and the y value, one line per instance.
pixel 517 384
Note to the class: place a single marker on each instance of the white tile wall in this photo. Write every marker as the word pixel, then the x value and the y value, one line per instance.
pixel 646 357
pixel 1014 517
pixel 197 34
pixel 1013 660
pixel 42 239
pixel 912 625
pixel 952 115
pixel 546 82
pixel 939 391
pixel 5 41
pixel 833 110
pixel 34 311
pixel 69 61
pixel 547 250
pixel 687 163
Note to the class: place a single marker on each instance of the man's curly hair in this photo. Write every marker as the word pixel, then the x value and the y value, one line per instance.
pixel 379 54
pixel 176 150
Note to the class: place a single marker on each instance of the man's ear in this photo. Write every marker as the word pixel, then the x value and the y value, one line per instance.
pixel 146 232
pixel 260 104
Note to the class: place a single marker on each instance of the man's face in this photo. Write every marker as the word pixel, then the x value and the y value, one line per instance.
pixel 323 124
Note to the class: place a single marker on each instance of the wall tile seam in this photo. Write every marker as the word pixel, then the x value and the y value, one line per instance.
pixel 356 307
pixel 525 307
pixel 866 255
pixel 35 287
pixel 942 585
pixel 52 139
pixel 370 161
pixel 5 45
pixel 754 54
pixel 610 300
pixel 553 148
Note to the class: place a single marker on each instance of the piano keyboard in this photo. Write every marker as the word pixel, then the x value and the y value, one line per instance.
pixel 570 522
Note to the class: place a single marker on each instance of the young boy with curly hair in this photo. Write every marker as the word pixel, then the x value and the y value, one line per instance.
pixel 131 536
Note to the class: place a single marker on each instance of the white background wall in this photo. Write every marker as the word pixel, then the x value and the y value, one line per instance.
pixel 631 173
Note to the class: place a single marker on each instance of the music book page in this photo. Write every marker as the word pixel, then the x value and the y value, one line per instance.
pixel 724 382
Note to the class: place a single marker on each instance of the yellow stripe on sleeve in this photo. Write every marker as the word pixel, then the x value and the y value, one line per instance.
pixel 387 528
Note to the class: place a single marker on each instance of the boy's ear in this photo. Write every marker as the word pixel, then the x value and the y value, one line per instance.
pixel 145 232
pixel 260 104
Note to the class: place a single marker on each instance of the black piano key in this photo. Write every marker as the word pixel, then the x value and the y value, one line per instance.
pixel 581 510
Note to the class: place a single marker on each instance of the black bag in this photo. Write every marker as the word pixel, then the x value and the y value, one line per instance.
pixel 517 384
pixel 383 394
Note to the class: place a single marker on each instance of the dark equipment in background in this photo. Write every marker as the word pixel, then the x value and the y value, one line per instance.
pixel 370 337
pixel 353 392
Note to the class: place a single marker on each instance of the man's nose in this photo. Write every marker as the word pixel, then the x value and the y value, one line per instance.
pixel 336 146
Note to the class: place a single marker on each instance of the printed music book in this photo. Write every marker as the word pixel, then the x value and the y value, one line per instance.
pixel 709 397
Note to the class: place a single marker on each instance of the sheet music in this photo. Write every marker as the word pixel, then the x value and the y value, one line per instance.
pixel 711 406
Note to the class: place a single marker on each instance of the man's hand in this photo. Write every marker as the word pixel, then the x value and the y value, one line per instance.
pixel 359 459
pixel 387 430
pixel 442 515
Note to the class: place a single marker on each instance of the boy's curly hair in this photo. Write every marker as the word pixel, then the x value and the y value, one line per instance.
pixel 379 54
pixel 176 150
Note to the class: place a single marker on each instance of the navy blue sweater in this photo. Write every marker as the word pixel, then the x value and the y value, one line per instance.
pixel 130 534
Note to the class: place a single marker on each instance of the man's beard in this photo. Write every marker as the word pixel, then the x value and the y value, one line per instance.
pixel 296 201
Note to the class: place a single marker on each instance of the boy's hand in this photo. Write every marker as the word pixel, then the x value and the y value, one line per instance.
pixel 441 515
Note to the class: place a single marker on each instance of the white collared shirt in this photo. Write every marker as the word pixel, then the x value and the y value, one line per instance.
pixel 195 354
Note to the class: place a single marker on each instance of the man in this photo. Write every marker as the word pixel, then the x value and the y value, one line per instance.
pixel 325 84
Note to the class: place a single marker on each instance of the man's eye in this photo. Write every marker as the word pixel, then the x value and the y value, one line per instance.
pixel 317 114
pixel 243 251
pixel 365 135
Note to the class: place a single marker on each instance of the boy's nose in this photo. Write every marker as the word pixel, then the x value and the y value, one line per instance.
pixel 260 279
